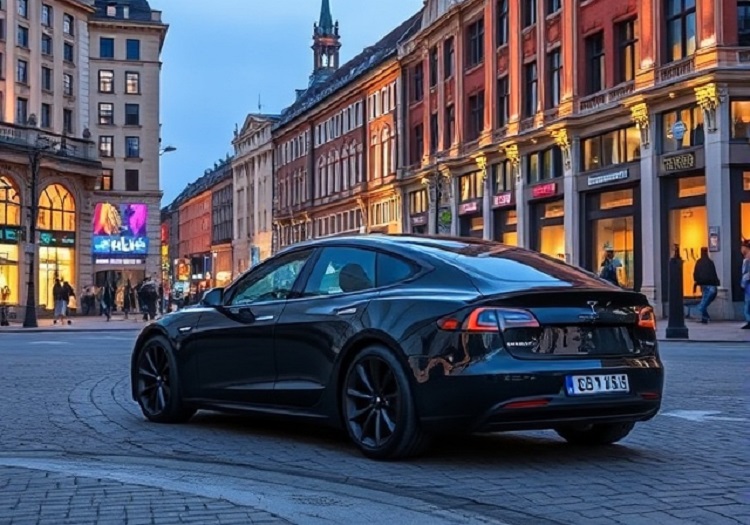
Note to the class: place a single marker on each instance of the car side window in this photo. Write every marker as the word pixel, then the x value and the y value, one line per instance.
pixel 270 284
pixel 342 270
pixel 392 270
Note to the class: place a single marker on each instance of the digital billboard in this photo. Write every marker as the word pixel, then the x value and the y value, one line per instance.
pixel 120 230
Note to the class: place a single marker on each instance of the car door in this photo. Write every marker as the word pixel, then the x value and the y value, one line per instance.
pixel 313 328
pixel 236 361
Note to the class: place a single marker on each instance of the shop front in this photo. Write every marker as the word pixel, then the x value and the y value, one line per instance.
pixel 222 265
pixel 612 221
pixel 418 212
pixel 201 276
pixel 10 240
pixel 504 215
pixel 740 217
pixel 57 242
pixel 547 219
pixel 470 212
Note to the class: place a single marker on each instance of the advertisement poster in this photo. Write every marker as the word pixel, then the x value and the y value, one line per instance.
pixel 120 230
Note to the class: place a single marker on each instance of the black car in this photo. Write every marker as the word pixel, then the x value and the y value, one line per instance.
pixel 398 338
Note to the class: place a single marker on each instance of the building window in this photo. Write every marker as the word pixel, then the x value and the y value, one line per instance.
pixel 743 22
pixel 502 177
pixel 106 146
pixel 681 33
pixel 471 187
pixel 23 8
pixel 554 89
pixel 68 121
pixel 692 118
pixel 47 47
pixel 434 133
pixel 417 83
pixel 46 116
pixel 595 74
pixel 544 165
pixel 418 202
pixel 449 58
pixel 68 84
pixel 740 112
pixel 106 81
pixel 133 49
pixel 475 116
pixel 22 72
pixel 46 15
pixel 68 25
pixel 626 44
pixel 68 52
pixel 132 83
pixel 611 148
pixel 502 23
pixel 434 56
pixel 449 133
pixel 105 184
pixel 132 115
pixel 418 142
pixel 475 43
pixel 528 12
pixel 106 113
pixel 106 47
pixel 531 94
pixel 503 102
pixel 553 6
pixel 46 79
pixel 132 147
pixel 132 180
pixel 22 36
pixel 22 110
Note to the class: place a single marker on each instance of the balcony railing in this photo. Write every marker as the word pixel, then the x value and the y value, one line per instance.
pixel 603 99
pixel 60 145
pixel 675 70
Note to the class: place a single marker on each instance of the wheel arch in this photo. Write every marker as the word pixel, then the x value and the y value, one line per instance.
pixel 148 333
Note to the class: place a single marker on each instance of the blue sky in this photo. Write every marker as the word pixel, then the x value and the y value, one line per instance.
pixel 221 55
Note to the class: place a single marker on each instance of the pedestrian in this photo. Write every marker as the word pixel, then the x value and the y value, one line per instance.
pixel 148 295
pixel 705 276
pixel 128 300
pixel 60 301
pixel 68 294
pixel 745 280
pixel 108 299
pixel 610 265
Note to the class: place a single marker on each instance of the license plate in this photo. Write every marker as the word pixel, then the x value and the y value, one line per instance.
pixel 599 384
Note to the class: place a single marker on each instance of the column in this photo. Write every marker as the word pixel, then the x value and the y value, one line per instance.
pixel 571 202
pixel 432 182
pixel 717 124
pixel 481 161
pixel 455 192
pixel 522 210
pixel 650 209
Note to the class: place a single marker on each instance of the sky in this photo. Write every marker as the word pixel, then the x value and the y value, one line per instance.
pixel 221 56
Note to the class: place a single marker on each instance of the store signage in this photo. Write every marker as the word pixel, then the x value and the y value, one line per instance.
pixel 468 207
pixel 120 230
pixel 678 130
pixel 503 199
pixel 714 239
pixel 544 190
pixel 419 220
pixel 10 235
pixel 183 269
pixel 114 246
pixel 595 180
pixel 683 161
pixel 56 239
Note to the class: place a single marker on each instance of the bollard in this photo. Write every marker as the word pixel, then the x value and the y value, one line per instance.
pixel 676 328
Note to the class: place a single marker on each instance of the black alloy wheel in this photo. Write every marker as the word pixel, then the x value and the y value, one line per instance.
pixel 157 384
pixel 595 435
pixel 378 407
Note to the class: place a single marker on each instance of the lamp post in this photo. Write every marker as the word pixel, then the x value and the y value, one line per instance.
pixel 168 149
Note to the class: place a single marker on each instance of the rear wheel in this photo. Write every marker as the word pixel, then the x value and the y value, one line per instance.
pixel 158 385
pixel 596 435
pixel 378 406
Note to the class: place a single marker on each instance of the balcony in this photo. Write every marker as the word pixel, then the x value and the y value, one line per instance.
pixel 675 71
pixel 54 144
pixel 605 99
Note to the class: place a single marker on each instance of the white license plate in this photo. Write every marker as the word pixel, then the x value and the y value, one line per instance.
pixel 599 384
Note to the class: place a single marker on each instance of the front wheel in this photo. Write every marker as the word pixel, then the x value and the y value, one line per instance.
pixel 596 435
pixel 158 384
pixel 378 407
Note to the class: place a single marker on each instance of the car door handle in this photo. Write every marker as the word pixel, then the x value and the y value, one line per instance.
pixel 264 318
pixel 349 310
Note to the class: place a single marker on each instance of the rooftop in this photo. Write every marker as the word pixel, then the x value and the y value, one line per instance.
pixel 138 10
pixel 221 171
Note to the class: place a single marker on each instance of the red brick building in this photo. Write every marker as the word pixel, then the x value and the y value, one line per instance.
pixel 569 127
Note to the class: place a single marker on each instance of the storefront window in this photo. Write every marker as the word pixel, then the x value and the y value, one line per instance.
pixel 510 237
pixel 10 220
pixel 418 202
pixel 612 148
pixel 616 234
pixel 688 229
pixel 553 210
pixel 471 186
pixel 692 118
pixel 745 220
pixel 57 210
pixel 691 187
pixel 616 199
pixel 552 234
pixel 57 213
pixel 740 119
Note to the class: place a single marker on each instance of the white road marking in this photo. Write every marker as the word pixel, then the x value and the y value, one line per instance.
pixel 702 416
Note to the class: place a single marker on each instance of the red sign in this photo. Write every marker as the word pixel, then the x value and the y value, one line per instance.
pixel 544 190
pixel 503 199
pixel 468 207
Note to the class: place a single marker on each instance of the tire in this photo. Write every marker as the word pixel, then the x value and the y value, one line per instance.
pixel 377 407
pixel 596 435
pixel 157 383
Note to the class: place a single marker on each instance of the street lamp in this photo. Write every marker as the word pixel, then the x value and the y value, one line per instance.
pixel 168 149
pixel 36 152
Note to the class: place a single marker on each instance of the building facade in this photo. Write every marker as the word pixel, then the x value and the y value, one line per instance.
pixel 125 43
pixel 44 121
pixel 253 192
pixel 336 147
pixel 568 127
pixel 222 219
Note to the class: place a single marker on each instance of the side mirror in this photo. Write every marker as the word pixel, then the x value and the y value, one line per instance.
pixel 213 297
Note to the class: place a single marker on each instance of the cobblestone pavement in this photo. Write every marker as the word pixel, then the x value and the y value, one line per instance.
pixel 75 449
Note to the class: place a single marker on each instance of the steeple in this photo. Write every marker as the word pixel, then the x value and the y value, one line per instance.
pixel 326 45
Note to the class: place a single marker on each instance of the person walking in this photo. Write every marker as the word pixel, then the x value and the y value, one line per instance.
pixel 745 280
pixel 108 299
pixel 705 276
pixel 610 265
pixel 60 299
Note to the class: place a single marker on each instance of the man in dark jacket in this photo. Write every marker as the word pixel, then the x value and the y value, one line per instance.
pixel 705 276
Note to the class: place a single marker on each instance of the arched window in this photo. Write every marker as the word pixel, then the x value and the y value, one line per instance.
pixel 10 203
pixel 320 178
pixel 345 168
pixel 331 163
pixel 336 172
pixel 375 157
pixel 385 139
pixel 353 176
pixel 57 209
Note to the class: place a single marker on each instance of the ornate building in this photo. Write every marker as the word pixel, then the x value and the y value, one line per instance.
pixel 253 191
pixel 336 147
pixel 568 127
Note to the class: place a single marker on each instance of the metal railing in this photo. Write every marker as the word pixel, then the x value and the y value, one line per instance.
pixel 60 145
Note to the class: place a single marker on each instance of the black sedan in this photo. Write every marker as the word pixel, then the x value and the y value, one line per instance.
pixel 399 338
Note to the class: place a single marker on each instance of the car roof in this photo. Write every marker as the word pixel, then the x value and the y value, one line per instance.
pixel 409 241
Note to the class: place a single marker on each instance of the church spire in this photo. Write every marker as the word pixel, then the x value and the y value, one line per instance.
pixel 325 25
pixel 326 45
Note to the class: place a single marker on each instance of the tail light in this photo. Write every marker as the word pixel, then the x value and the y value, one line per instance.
pixel 491 320
pixel 647 318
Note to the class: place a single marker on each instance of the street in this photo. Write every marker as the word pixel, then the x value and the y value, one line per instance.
pixel 75 449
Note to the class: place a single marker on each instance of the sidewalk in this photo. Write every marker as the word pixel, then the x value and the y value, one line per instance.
pixel 118 323
pixel 719 332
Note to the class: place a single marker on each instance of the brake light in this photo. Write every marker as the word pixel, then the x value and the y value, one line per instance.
pixel 647 318
pixel 491 320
